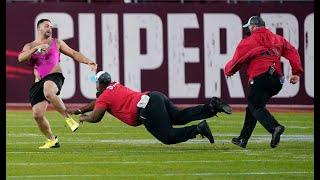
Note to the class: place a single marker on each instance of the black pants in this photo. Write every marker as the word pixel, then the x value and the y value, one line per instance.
pixel 160 114
pixel 261 89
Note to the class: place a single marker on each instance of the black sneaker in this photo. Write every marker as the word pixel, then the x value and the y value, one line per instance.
pixel 276 136
pixel 204 130
pixel 240 142
pixel 218 105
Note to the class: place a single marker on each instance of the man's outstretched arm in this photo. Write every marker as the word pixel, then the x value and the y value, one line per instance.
pixel 82 110
pixel 65 49
pixel 94 117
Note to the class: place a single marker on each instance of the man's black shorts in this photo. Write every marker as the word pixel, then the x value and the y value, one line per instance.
pixel 36 91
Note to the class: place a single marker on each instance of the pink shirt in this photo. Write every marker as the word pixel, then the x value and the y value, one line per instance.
pixel 44 63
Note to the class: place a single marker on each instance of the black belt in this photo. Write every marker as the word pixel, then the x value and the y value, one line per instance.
pixel 270 74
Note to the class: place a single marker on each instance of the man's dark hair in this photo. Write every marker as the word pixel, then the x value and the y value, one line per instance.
pixel 41 21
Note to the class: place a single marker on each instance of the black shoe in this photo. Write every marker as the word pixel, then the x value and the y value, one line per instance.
pixel 204 129
pixel 240 142
pixel 276 136
pixel 218 105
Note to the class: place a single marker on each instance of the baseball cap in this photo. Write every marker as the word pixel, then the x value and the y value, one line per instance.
pixel 255 20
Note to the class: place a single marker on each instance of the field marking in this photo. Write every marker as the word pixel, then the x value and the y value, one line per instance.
pixel 24 135
pixel 304 138
pixel 105 152
pixel 120 126
pixel 58 126
pixel 296 136
pixel 299 127
pixel 20 152
pixel 169 174
pixel 40 135
pixel 257 139
pixel 146 162
pixel 244 151
pixel 129 151
pixel 30 126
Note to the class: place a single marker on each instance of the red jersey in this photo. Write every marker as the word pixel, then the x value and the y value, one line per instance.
pixel 260 51
pixel 121 102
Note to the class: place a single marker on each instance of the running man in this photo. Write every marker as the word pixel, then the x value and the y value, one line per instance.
pixel 262 52
pixel 44 55
pixel 152 109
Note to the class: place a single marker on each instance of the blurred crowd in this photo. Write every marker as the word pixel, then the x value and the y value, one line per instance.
pixel 156 1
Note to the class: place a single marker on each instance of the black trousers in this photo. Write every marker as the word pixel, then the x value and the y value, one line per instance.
pixel 261 89
pixel 161 114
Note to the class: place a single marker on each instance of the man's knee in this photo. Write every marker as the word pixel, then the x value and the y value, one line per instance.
pixel 38 115
pixel 165 140
pixel 168 138
pixel 49 94
pixel 251 107
pixel 50 89
pixel 255 107
pixel 255 102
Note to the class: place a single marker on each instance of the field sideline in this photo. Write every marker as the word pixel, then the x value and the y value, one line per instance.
pixel 113 150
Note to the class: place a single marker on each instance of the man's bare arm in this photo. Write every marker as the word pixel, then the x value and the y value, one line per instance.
pixel 65 49
pixel 94 117
pixel 27 51
pixel 82 110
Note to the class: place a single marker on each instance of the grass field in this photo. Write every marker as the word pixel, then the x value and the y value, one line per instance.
pixel 113 150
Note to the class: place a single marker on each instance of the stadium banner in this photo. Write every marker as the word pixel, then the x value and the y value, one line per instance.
pixel 178 49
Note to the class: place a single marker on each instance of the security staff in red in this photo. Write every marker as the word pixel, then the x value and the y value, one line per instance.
pixel 262 51
pixel 152 109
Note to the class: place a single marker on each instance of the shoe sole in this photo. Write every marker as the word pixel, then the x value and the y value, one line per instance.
pixel 224 106
pixel 276 139
pixel 57 145
pixel 75 129
pixel 227 109
pixel 211 141
pixel 238 144
pixel 73 122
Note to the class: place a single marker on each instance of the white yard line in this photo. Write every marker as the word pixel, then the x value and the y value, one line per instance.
pixel 145 162
pixel 58 126
pixel 82 133
pixel 297 136
pixel 20 152
pixel 119 126
pixel 105 152
pixel 301 173
pixel 256 138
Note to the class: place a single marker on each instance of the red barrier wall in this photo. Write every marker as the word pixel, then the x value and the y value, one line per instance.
pixel 177 49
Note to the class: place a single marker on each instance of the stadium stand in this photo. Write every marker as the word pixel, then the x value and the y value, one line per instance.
pixel 160 1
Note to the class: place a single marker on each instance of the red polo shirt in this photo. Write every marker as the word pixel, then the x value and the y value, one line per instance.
pixel 121 102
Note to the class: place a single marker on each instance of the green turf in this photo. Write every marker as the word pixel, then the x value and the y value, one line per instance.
pixel 113 150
